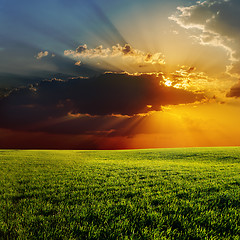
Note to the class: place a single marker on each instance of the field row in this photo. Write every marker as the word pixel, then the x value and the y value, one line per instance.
pixel 134 194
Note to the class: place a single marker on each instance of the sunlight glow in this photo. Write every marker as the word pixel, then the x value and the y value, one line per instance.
pixel 168 83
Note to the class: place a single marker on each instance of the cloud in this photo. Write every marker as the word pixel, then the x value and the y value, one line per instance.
pixel 40 55
pixel 40 140
pixel 4 92
pixel 217 22
pixel 93 104
pixel 189 78
pixel 127 50
pixel 78 63
pixel 234 91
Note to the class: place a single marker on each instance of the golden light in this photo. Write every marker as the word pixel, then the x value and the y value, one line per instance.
pixel 168 83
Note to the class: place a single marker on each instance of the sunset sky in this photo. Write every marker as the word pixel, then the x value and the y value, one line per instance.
pixel 88 74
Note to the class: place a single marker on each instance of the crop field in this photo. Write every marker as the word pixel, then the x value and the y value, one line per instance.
pixel 129 194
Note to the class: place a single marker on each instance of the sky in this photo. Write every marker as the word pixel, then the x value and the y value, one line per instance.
pixel 87 74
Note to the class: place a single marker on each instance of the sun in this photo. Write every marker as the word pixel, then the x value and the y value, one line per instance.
pixel 168 83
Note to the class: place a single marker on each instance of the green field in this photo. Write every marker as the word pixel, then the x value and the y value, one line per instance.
pixel 135 194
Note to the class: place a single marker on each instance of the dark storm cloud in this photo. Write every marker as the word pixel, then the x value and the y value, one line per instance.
pixel 87 102
pixel 4 92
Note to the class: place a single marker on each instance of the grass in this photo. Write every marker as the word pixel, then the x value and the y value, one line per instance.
pixel 136 194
